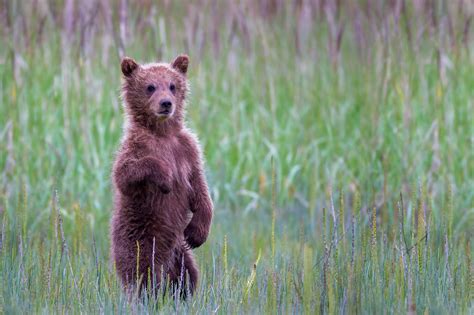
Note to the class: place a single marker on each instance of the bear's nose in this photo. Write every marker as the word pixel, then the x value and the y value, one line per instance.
pixel 165 104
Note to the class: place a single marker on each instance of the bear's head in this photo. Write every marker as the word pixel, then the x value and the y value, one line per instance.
pixel 155 93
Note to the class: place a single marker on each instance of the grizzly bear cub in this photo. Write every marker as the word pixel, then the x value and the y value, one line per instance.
pixel 159 182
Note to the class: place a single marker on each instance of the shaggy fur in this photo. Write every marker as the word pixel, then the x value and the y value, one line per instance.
pixel 162 204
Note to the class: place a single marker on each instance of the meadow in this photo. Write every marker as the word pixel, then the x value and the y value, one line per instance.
pixel 338 138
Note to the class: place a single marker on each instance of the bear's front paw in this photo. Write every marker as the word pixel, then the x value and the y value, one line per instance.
pixel 194 236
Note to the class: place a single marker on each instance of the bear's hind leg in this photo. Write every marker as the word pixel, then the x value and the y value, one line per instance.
pixel 191 270
pixel 184 276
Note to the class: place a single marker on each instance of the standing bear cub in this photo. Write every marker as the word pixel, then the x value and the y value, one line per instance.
pixel 162 203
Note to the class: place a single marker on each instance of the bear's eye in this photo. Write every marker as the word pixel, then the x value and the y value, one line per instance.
pixel 151 88
pixel 172 87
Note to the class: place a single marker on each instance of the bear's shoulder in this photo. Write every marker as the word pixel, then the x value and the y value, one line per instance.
pixel 136 143
pixel 190 142
pixel 189 138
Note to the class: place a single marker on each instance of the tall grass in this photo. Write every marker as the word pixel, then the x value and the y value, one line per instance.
pixel 338 139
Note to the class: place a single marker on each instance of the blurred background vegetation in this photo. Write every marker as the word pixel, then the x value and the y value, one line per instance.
pixel 316 118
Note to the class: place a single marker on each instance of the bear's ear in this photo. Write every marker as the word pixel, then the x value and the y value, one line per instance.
pixel 128 66
pixel 181 64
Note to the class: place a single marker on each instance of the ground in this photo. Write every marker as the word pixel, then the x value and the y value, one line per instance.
pixel 287 120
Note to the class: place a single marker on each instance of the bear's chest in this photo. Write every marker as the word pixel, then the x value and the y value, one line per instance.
pixel 174 156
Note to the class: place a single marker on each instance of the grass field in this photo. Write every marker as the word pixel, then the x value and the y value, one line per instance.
pixel 339 146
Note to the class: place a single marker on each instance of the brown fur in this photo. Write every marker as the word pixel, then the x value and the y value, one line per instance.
pixel 159 181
